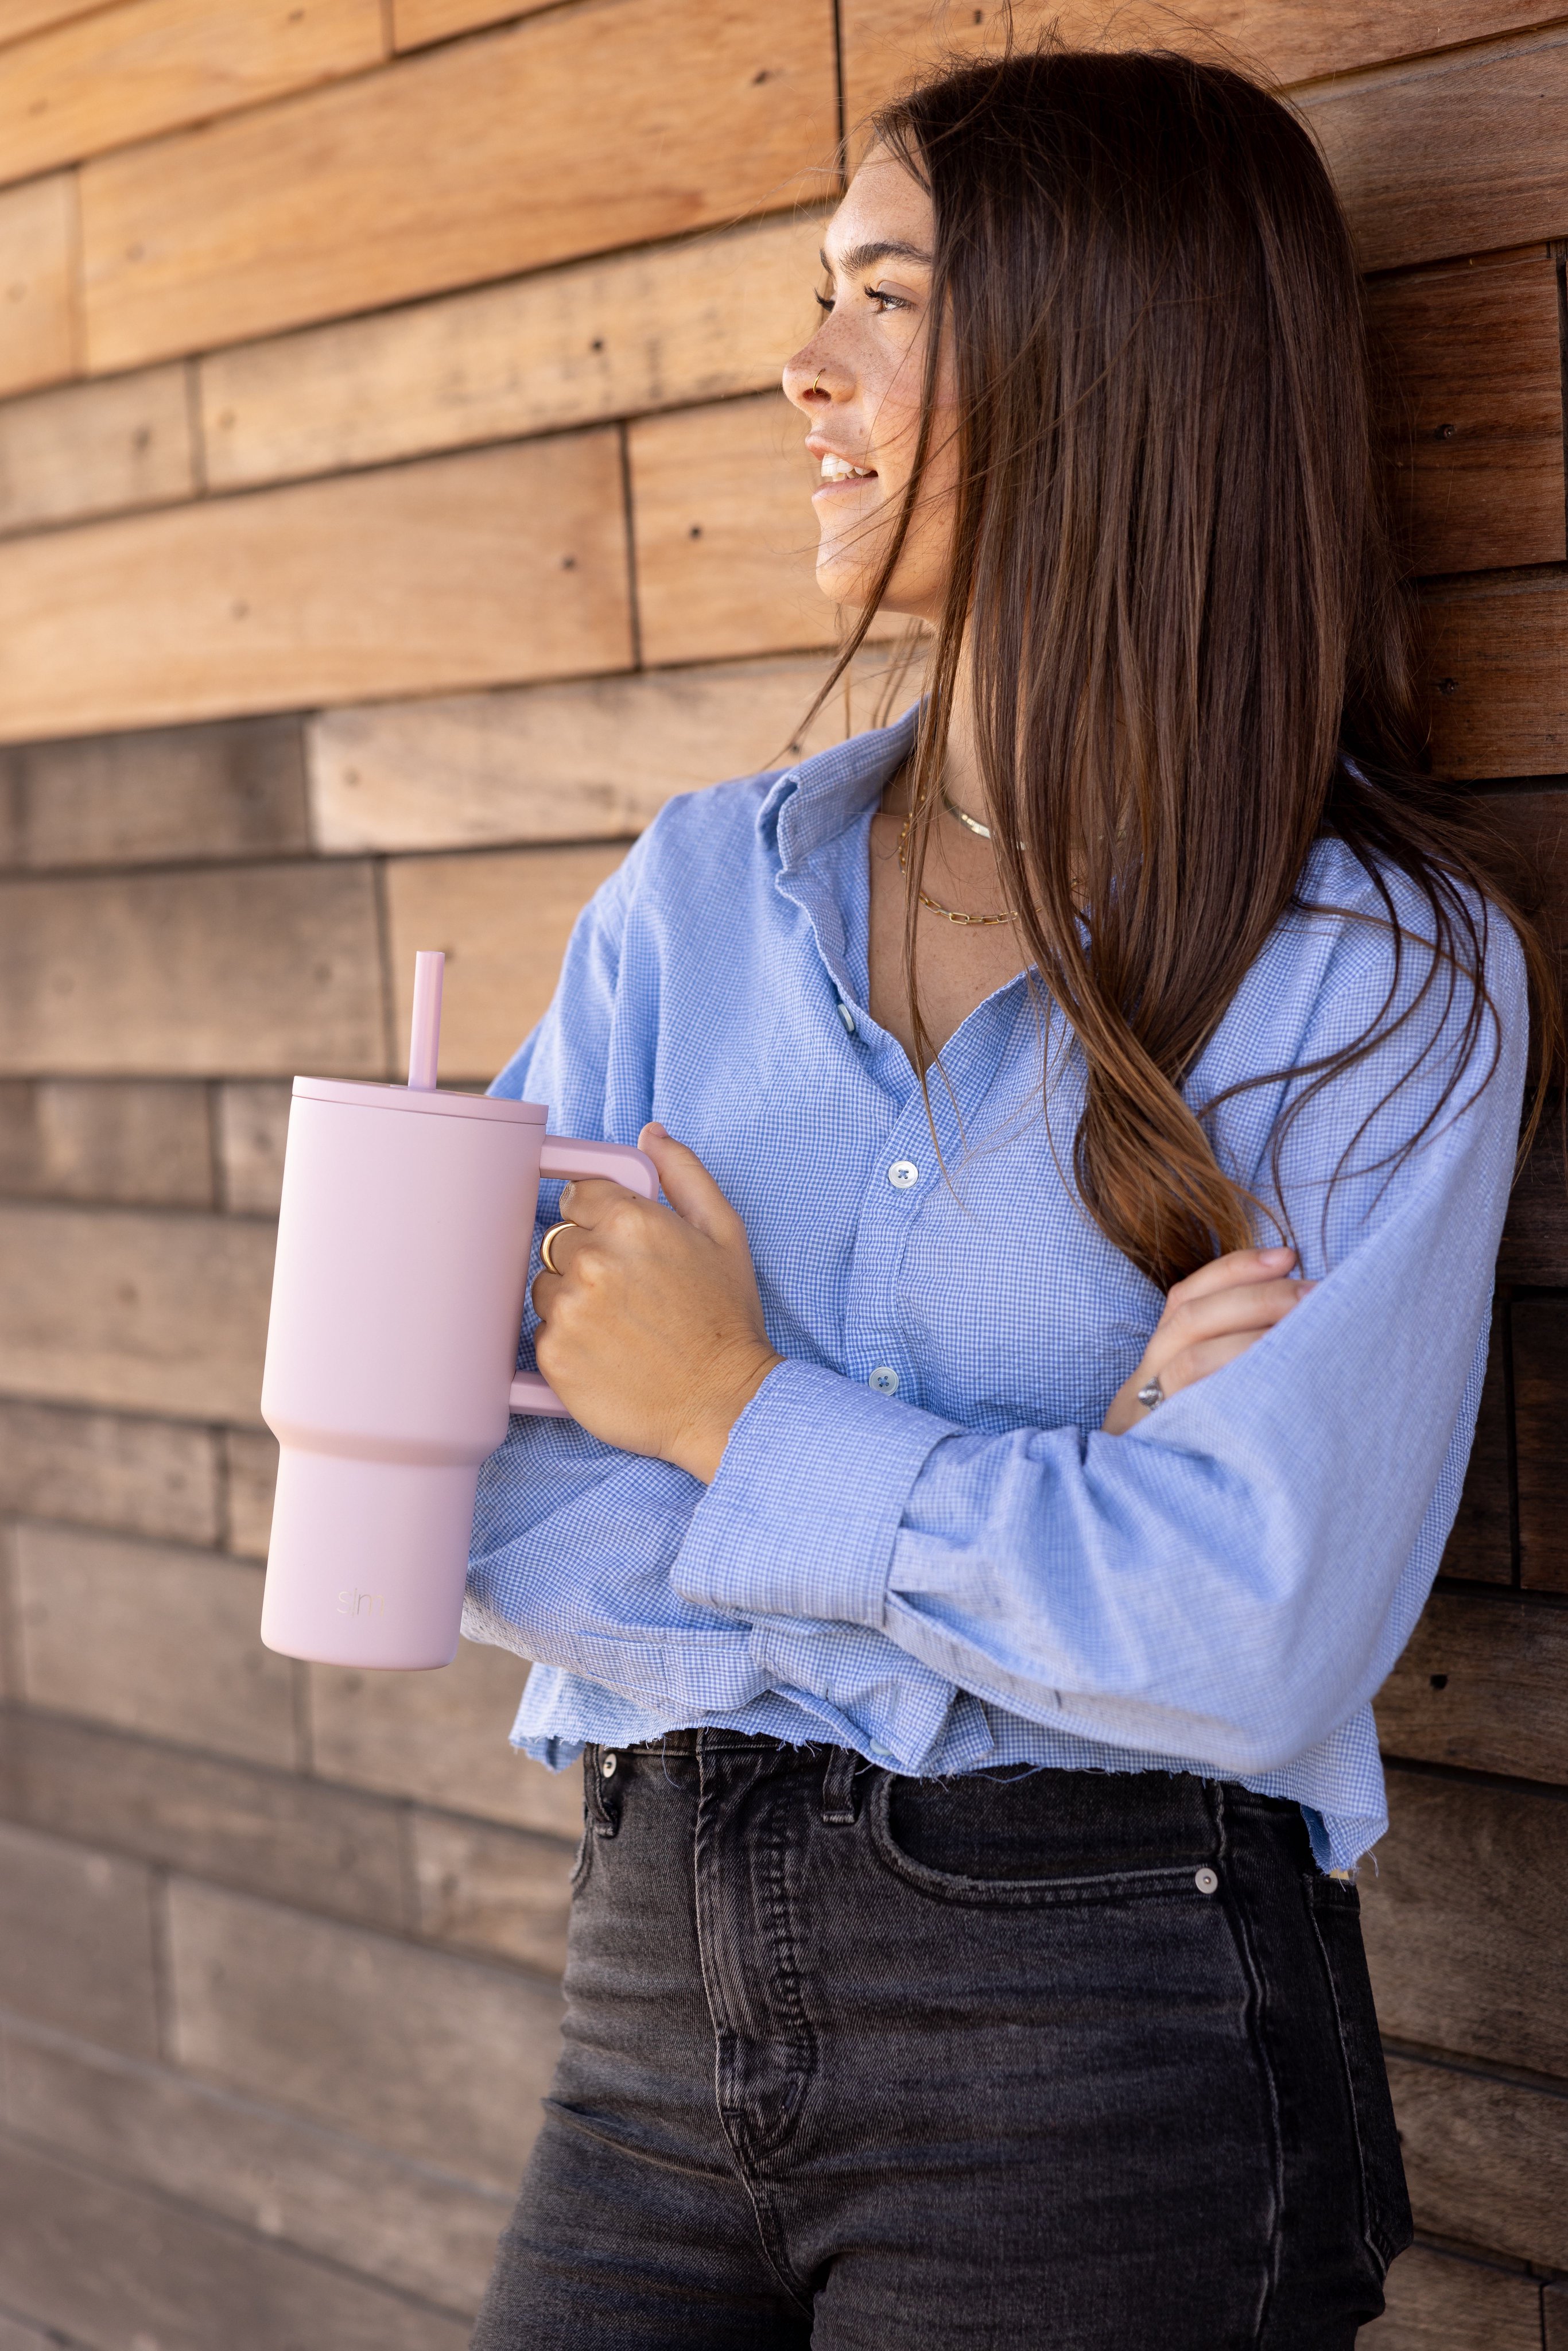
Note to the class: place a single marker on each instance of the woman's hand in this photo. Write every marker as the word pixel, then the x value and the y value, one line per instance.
pixel 1216 1313
pixel 651 1333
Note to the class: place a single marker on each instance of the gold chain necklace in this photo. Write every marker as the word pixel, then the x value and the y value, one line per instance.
pixel 948 914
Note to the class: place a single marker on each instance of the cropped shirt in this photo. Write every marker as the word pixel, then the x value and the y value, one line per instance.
pixel 919 1543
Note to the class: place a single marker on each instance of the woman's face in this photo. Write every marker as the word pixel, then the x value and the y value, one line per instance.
pixel 858 382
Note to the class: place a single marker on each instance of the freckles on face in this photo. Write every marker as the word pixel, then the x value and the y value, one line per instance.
pixel 858 382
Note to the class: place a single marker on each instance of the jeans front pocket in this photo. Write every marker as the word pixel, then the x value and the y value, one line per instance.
pixel 1336 1908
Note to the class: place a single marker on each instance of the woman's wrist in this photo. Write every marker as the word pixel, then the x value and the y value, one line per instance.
pixel 699 1440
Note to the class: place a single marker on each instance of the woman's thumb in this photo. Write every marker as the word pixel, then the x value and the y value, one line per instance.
pixel 688 1188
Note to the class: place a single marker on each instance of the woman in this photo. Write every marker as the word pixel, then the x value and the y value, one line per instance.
pixel 1004 1472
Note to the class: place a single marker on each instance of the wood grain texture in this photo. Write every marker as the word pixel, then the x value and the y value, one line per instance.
pixel 1438 2302
pixel 1452 154
pixel 1483 1685
pixel 20 18
pixel 1481 1545
pixel 96 449
pixel 101 2261
pixel 1463 1921
pixel 598 757
pixel 491 1890
pixel 725 538
pixel 419 2051
pixel 137 1309
pixel 253 971
pixel 1485 2159
pixel 250 1479
pixel 146 1638
pixel 139 1145
pixel 1473 451
pixel 470 571
pixel 503 918
pixel 38 303
pixel 341 199
pixel 1496 664
pixel 162 795
pixel 100 1468
pixel 702 319
pixel 441 1737
pixel 885 40
pixel 130 72
pixel 1535 1238
pixel 75 1940
pixel 295 2183
pixel 252 1134
pixel 417 22
pixel 260 1831
pixel 1539 1367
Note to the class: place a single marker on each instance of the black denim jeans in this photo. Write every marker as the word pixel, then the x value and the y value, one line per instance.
pixel 1074 2060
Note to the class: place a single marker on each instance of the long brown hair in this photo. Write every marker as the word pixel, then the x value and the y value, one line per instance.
pixel 1189 650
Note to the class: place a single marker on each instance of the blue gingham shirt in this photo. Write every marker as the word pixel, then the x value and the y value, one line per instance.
pixel 919 1544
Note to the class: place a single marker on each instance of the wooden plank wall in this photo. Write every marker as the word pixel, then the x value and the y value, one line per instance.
pixel 396 506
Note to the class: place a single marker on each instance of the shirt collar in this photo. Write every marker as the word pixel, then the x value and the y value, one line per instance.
pixel 808 805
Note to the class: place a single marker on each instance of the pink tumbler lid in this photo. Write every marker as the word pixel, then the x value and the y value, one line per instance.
pixel 359 1096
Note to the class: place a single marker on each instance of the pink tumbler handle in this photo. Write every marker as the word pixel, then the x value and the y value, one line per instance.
pixel 561 1156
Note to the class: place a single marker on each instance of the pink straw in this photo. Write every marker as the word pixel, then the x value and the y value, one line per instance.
pixel 424 1034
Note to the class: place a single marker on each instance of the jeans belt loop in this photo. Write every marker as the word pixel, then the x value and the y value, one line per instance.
pixel 839 1788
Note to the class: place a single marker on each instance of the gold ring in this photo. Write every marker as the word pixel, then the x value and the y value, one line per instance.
pixel 545 1256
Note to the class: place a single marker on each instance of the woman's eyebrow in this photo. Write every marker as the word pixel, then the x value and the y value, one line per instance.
pixel 857 257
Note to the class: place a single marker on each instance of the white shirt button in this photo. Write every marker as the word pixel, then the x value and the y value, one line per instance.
pixel 903 1173
pixel 884 1380
pixel 847 1017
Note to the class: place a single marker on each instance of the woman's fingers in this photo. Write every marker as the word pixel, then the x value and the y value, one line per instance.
pixel 1227 1272
pixel 1248 1311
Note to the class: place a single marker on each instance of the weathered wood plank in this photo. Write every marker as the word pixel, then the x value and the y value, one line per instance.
pixel 1555 2312
pixel 1438 2302
pixel 702 319
pixel 162 796
pixel 725 538
pixel 146 1477
pixel 81 1139
pixel 1463 1921
pixel 440 2058
pixel 150 1640
pixel 1496 660
pixel 417 22
pixel 1540 1368
pixel 75 1940
pixel 37 246
pixel 469 570
pixel 262 1830
pixel 598 757
pixel 253 1129
pixel 250 1465
pixel 341 200
pixel 1484 1684
pixel 441 1737
pixel 490 1889
pixel 1481 1547
pixel 19 18
pixel 1474 451
pixel 1485 2159
pixel 885 40
pixel 103 2264
pixel 1535 1238
pixel 1457 153
pixel 503 919
pixel 406 2224
pixel 149 66
pixel 96 449
pixel 246 970
pixel 136 1310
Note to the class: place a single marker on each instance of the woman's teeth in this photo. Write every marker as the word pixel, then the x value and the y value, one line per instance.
pixel 839 469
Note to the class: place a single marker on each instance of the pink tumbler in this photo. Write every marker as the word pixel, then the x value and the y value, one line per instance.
pixel 403 1260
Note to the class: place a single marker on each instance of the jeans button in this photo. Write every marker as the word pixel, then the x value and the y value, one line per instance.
pixel 608 1765
pixel 1205 1880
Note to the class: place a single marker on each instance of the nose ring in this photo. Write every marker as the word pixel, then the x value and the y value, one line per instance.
pixel 818 385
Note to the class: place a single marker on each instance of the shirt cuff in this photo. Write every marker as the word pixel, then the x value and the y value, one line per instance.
pixel 801 1518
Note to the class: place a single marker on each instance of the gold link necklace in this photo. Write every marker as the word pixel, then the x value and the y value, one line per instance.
pixel 948 914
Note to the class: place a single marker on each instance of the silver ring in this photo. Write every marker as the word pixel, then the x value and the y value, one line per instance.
pixel 1151 1393
pixel 544 1257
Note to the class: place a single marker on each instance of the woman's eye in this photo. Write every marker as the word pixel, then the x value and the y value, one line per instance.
pixel 823 301
pixel 885 301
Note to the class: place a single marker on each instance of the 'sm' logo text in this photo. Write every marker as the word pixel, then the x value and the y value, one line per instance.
pixel 362 1603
